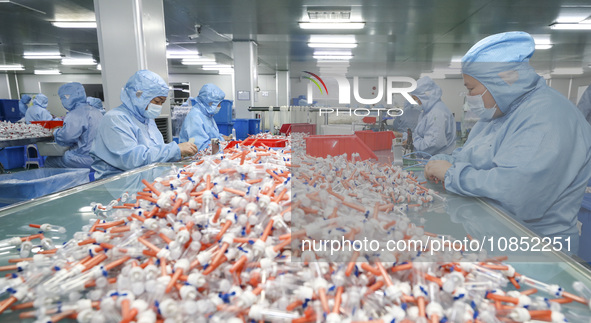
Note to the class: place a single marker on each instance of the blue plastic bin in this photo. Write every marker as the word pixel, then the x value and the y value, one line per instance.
pixel 9 110
pixel 241 126
pixel 23 186
pixel 12 157
pixel 254 126
pixel 225 128
pixel 225 113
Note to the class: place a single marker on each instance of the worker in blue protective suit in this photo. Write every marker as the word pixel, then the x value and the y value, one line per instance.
pixel 435 132
pixel 585 104
pixel 38 111
pixel 78 131
pixel 530 151
pixel 96 103
pixel 199 123
pixel 23 104
pixel 408 120
pixel 128 137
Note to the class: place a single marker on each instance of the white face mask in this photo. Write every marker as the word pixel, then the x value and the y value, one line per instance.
pixel 476 105
pixel 153 111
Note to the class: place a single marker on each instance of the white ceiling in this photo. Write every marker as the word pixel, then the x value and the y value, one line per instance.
pixel 406 37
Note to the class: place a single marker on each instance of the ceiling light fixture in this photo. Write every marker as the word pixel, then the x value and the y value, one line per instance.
pixel 333 57
pixel 332 25
pixel 182 54
pixel 559 26
pixel 78 61
pixel 16 67
pixel 74 24
pixel 47 72
pixel 543 46
pixel 215 67
pixel 42 56
pixel 99 67
pixel 331 45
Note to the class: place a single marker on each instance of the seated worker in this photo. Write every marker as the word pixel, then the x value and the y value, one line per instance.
pixel 408 120
pixel 23 103
pixel 199 123
pixel 79 130
pixel 127 137
pixel 38 111
pixel 96 103
pixel 530 151
pixel 435 132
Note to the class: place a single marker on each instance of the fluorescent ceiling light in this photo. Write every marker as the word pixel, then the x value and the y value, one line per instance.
pixel 42 55
pixel 99 67
pixel 543 46
pixel 558 26
pixel 332 25
pixel 332 52
pixel 331 45
pixel 16 67
pixel 574 15
pixel 47 72
pixel 338 39
pixel 333 57
pixel 74 24
pixel 182 54
pixel 567 71
pixel 78 61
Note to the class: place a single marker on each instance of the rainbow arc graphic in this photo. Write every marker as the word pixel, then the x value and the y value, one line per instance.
pixel 314 81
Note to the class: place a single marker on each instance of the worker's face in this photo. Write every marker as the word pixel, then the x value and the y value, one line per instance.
pixel 476 88
pixel 414 97
pixel 159 100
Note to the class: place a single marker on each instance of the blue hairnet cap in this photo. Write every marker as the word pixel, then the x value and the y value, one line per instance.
pixel 26 98
pixel 427 91
pixel 141 88
pixel 513 46
pixel 71 95
pixel 211 93
pixel 501 63
pixel 94 102
pixel 41 100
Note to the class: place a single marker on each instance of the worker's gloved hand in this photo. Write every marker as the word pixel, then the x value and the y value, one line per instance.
pixel 435 170
pixel 188 149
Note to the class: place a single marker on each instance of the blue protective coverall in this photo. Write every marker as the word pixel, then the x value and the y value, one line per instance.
pixel 23 104
pixel 585 104
pixel 80 126
pixel 96 103
pixel 408 120
pixel 534 161
pixel 199 123
pixel 126 139
pixel 38 111
pixel 435 132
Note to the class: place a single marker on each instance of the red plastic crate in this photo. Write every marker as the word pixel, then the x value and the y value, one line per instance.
pixel 288 128
pixel 381 140
pixel 273 143
pixel 335 145
pixel 50 124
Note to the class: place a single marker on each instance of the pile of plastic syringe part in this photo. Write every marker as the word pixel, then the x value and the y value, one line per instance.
pixel 213 242
pixel 13 131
